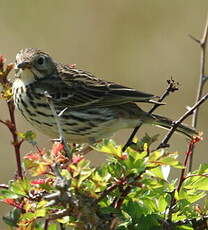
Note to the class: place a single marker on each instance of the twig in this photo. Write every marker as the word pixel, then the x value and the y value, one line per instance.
pixel 172 87
pixel 60 130
pixel 165 140
pixel 202 78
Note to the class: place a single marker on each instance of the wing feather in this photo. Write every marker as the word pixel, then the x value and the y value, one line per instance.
pixel 84 89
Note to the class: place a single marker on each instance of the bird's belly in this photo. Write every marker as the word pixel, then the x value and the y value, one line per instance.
pixel 78 125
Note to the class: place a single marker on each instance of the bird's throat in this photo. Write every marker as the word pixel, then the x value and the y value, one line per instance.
pixel 26 75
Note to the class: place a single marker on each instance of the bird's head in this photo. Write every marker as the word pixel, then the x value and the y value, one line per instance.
pixel 33 64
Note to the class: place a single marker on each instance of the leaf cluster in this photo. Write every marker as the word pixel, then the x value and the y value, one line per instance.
pixel 132 190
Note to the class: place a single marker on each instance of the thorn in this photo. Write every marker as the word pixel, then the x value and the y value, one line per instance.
pixel 61 113
pixel 47 94
pixel 195 39
pixel 188 107
pixel 60 139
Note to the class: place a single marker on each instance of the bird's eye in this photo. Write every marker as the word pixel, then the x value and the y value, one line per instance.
pixel 40 60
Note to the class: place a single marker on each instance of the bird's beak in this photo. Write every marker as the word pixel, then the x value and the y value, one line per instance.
pixel 24 65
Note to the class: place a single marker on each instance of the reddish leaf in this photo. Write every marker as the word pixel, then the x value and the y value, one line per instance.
pixel 13 203
pixel 76 159
pixel 32 156
pixel 57 148
pixel 39 181
pixel 124 157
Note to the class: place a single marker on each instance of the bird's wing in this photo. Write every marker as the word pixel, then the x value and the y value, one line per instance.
pixel 84 89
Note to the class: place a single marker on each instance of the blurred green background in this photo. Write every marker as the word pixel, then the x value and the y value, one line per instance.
pixel 139 43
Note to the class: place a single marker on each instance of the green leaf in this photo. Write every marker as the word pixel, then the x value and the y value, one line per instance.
pixel 52 227
pixel 170 161
pixel 29 216
pixel 21 187
pixel 13 218
pixel 162 203
pixel 203 168
pixel 84 174
pixel 8 194
pixel 40 212
pixel 110 210
pixel 190 195
pixel 144 143
pixel 29 136
pixel 184 228
pixel 135 211
pixel 150 222
pixel 198 182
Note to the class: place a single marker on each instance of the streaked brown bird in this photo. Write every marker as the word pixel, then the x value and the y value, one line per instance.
pixel 94 108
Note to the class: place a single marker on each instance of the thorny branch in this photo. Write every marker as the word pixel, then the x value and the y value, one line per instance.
pixel 60 130
pixel 172 87
pixel 164 142
pixel 202 78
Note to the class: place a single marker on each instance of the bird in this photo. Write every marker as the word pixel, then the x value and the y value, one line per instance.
pixel 92 109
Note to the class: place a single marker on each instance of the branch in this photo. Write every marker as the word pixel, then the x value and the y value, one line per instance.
pixel 16 143
pixel 60 130
pixel 202 78
pixel 165 140
pixel 172 87
pixel 6 94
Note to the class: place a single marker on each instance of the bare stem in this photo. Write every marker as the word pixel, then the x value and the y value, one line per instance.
pixel 202 78
pixel 16 143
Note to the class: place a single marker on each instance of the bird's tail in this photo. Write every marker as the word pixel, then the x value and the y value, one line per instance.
pixel 167 124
